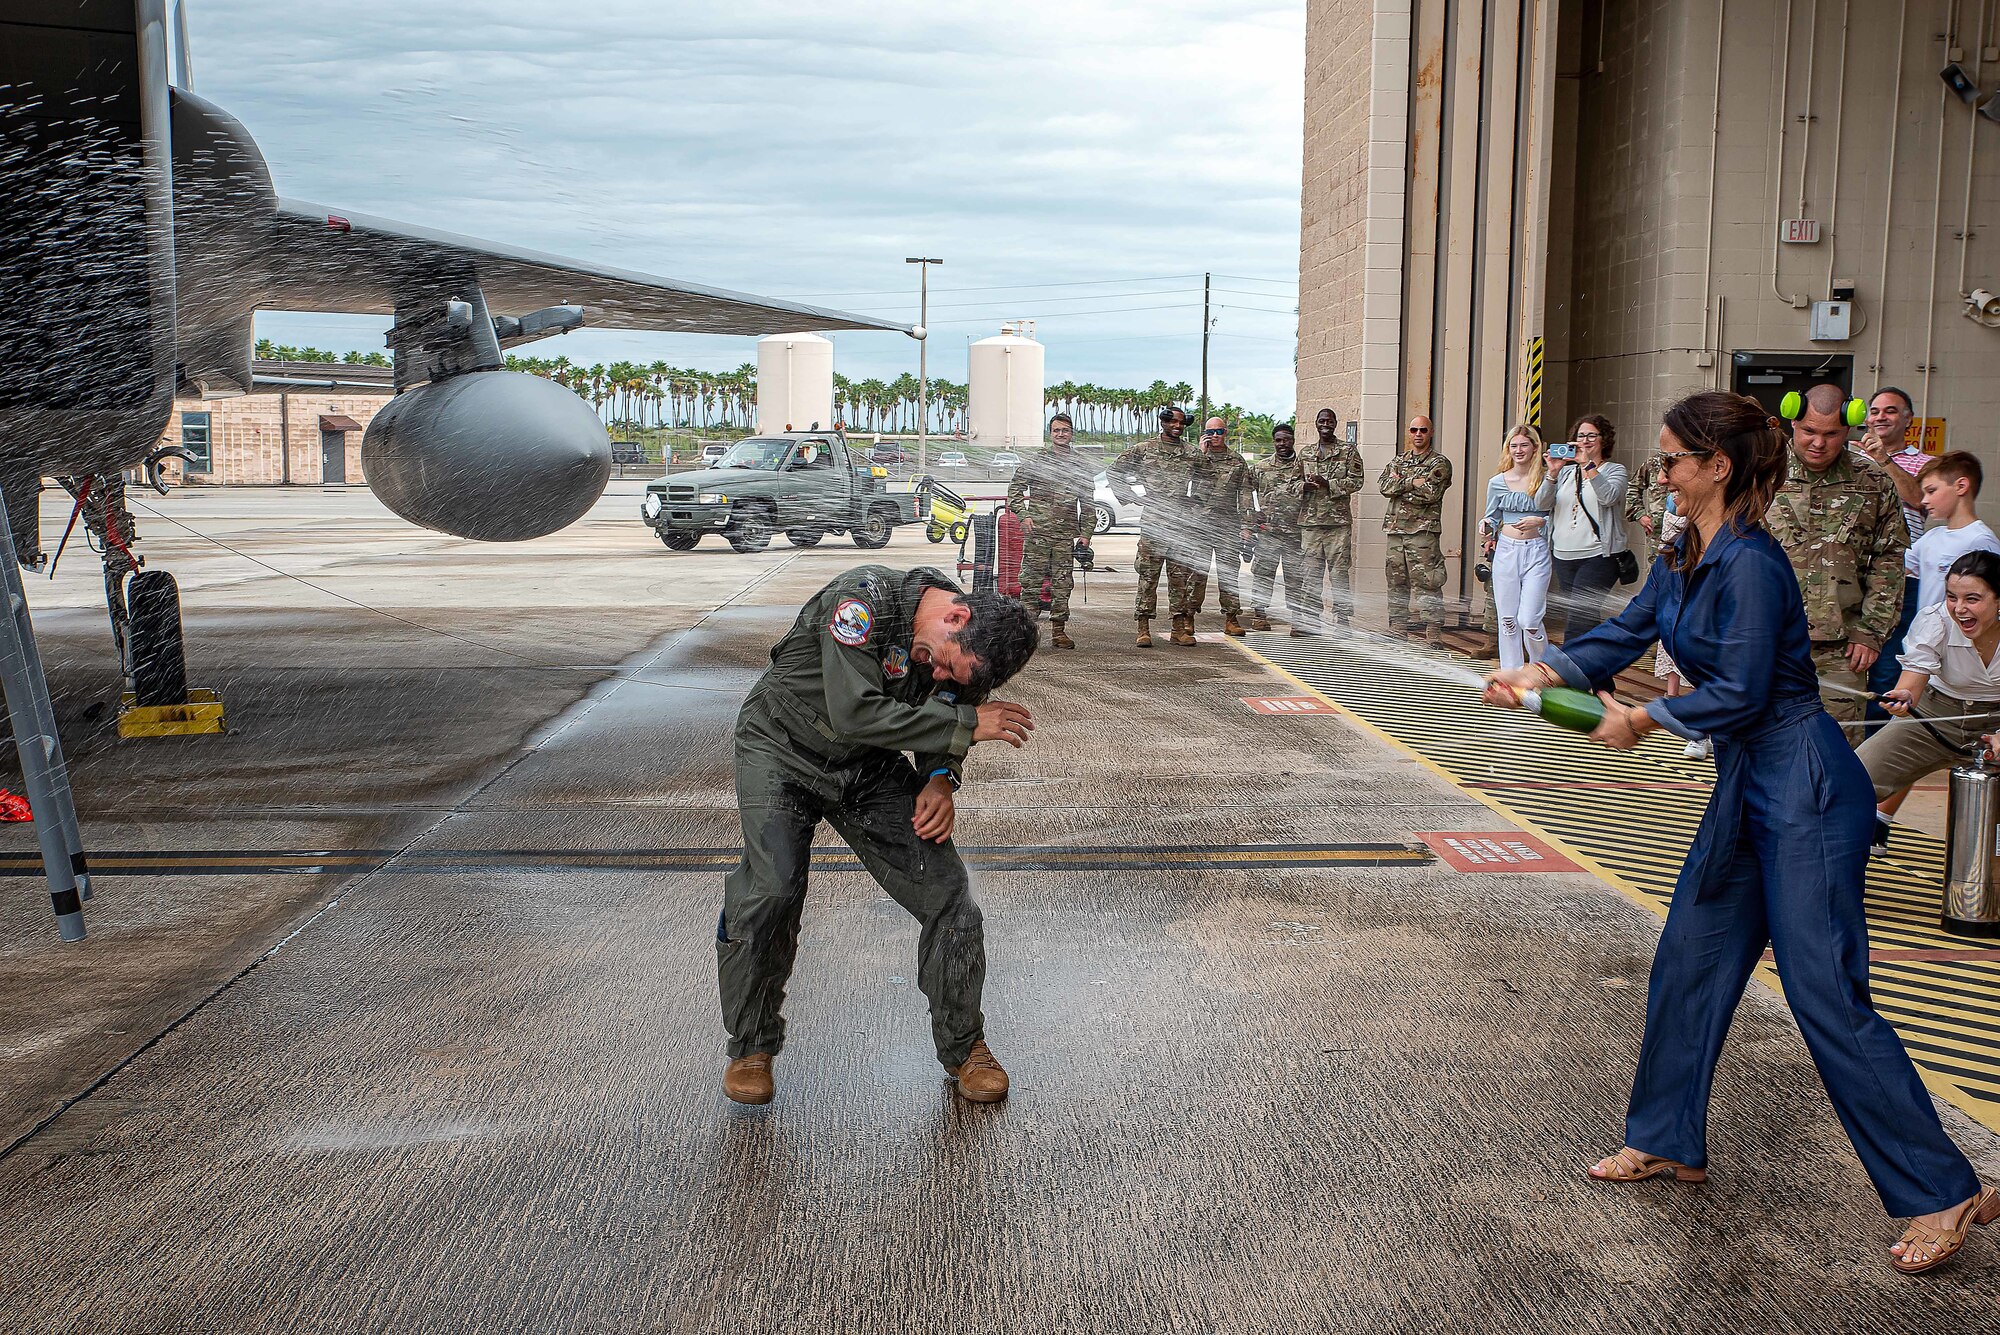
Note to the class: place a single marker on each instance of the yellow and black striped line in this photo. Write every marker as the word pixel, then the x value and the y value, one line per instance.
pixel 1942 992
pixel 515 861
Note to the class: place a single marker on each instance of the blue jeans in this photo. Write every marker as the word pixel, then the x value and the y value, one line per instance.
pixel 1882 677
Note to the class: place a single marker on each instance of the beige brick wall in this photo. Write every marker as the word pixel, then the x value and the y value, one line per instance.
pixel 244 434
pixel 1334 207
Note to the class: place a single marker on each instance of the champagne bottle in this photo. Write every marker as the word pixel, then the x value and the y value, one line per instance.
pixel 1578 711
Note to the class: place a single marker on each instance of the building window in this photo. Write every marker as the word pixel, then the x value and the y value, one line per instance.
pixel 194 439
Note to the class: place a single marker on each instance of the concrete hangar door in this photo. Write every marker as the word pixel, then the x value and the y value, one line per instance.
pixel 333 430
pixel 1768 376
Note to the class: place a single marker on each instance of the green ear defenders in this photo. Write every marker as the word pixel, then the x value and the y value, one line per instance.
pixel 1793 405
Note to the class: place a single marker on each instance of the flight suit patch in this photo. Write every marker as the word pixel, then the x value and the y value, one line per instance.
pixel 896 663
pixel 851 622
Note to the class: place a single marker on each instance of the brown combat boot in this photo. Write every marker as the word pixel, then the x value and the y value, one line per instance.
pixel 1145 640
pixel 748 1078
pixel 1231 626
pixel 1258 621
pixel 1488 650
pixel 1434 635
pixel 1058 637
pixel 1183 630
pixel 980 1078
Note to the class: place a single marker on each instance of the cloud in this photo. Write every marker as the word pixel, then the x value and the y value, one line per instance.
pixel 801 149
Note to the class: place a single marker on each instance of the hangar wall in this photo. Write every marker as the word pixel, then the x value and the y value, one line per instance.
pixel 1614 177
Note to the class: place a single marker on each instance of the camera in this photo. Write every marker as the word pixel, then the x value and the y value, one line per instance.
pixel 1483 572
pixel 1563 449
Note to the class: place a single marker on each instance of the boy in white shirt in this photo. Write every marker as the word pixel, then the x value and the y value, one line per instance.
pixel 1950 485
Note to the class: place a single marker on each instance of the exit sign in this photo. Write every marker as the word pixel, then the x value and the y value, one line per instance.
pixel 1801 232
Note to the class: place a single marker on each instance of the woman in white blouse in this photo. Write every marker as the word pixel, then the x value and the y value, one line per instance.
pixel 1588 530
pixel 1950 681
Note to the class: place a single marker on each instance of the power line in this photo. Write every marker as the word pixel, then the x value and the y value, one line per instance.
pixel 1003 287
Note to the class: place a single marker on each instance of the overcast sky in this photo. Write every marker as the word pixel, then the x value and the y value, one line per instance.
pixel 1091 158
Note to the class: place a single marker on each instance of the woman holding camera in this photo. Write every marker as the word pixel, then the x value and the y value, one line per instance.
pixel 1589 528
pixel 1781 851
pixel 1518 500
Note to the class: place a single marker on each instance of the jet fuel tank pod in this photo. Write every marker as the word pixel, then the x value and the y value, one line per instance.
pixel 493 455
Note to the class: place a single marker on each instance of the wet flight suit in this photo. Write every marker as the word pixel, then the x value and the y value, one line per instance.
pixel 821 736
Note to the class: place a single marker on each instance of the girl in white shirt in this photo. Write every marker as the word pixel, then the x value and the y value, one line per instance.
pixel 1515 530
pixel 1950 680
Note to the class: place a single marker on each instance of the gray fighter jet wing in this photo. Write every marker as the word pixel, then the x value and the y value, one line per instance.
pixel 333 260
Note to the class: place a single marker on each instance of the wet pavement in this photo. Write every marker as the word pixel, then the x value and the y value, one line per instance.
pixel 477 1088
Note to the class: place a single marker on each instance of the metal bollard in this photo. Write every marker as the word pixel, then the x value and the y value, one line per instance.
pixel 1971 887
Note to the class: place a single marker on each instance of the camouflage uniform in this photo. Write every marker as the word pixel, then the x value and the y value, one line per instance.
pixel 1052 490
pixel 1646 498
pixel 1218 498
pixel 1844 531
pixel 847 658
pixel 1277 485
pixel 1415 485
pixel 1326 528
pixel 1161 467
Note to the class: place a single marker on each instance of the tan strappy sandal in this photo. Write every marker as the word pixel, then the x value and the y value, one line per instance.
pixel 1628 1165
pixel 1941 1244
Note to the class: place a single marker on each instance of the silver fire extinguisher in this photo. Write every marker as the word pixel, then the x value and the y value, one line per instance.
pixel 1972 847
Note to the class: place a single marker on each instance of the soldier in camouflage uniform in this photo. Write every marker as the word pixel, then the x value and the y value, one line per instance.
pixel 1331 473
pixel 1278 488
pixel 1160 466
pixel 1415 482
pixel 1839 519
pixel 1051 492
pixel 1219 499
pixel 880 662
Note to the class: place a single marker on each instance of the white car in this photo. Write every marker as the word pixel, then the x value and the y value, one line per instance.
pixel 711 454
pixel 952 459
pixel 1006 459
pixel 1110 510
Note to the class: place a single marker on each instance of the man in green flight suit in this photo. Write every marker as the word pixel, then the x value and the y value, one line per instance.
pixel 1051 493
pixel 1415 482
pixel 1839 519
pixel 1161 467
pixel 879 662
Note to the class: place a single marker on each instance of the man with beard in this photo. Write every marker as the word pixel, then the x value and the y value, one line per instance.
pixel 878 663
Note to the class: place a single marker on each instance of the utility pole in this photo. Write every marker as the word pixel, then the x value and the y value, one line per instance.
pixel 923 264
pixel 1204 352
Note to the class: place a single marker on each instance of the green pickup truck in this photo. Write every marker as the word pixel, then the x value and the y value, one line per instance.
pixel 804 484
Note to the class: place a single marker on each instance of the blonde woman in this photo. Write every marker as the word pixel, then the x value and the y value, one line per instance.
pixel 1518 501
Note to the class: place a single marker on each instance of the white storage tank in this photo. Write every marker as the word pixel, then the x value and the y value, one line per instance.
pixel 1004 392
pixel 794 382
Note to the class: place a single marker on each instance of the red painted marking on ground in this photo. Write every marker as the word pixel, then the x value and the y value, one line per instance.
pixel 1287 704
pixel 1498 850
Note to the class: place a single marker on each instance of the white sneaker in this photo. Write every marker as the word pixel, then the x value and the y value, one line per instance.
pixel 1700 749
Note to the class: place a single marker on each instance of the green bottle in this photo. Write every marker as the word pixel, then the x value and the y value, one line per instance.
pixel 1576 710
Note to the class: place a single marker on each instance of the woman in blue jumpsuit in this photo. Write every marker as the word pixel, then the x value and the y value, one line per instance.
pixel 1781 852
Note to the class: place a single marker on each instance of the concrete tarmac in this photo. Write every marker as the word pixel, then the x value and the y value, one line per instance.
pixel 478 1088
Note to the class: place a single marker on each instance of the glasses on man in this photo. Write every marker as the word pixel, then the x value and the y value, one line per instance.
pixel 1215 433
pixel 1420 431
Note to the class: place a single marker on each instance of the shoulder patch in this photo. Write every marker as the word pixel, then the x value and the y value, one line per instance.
pixel 852 620
pixel 896 663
